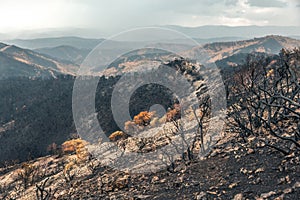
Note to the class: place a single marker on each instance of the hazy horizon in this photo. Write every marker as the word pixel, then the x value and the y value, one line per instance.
pixel 91 18
pixel 213 31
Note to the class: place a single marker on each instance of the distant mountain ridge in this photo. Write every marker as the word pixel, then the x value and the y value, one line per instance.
pixel 215 31
pixel 52 61
pixel 77 42
pixel 65 52
pixel 201 32
pixel 271 44
pixel 224 54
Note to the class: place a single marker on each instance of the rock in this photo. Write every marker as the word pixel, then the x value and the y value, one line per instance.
pixel 267 195
pixel 251 138
pixel 281 181
pixel 236 148
pixel 141 197
pixel 180 179
pixel 105 179
pixel 250 151
pixel 257 181
pixel 238 196
pixel 284 180
pixel 287 179
pixel 122 182
pixel 163 180
pixel 154 179
pixel 260 144
pixel 245 171
pixel 296 185
pixel 232 185
pixel 213 154
pixel 280 168
pixel 212 192
pixel 201 196
pixel 259 170
pixel 108 188
pixel 287 190
pixel 281 197
pixel 290 155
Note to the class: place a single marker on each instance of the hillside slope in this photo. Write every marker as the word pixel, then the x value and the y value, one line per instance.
pixel 64 52
pixel 271 44
pixel 18 62
pixel 224 54
pixel 234 170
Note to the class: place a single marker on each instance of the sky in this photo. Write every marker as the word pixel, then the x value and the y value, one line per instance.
pixel 112 16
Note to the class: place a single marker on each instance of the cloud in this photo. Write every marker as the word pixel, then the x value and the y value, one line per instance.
pixel 267 3
pixel 118 15
pixel 231 2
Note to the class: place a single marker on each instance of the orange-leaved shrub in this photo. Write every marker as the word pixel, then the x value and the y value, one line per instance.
pixel 117 135
pixel 173 114
pixel 143 118
pixel 77 146
pixel 71 146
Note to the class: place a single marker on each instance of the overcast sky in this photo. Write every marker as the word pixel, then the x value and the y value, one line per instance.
pixel 111 16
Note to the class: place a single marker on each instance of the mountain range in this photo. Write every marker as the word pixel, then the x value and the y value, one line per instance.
pixel 224 54
pixel 51 60
pixel 200 32
pixel 37 86
pixel 36 118
pixel 250 160
pixel 218 31
pixel 77 42
pixel 271 44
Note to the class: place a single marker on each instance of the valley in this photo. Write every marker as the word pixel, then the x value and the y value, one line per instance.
pixel 252 160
